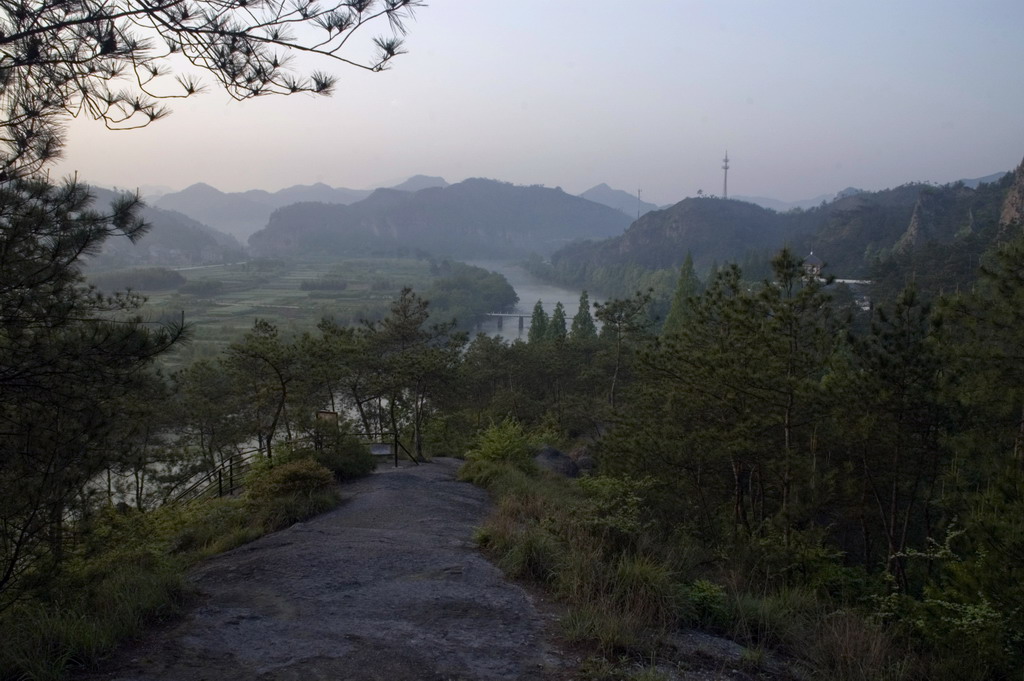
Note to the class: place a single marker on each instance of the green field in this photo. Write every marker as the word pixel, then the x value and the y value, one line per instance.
pixel 273 290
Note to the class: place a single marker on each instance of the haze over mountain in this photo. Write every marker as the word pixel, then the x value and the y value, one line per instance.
pixel 785 206
pixel 804 204
pixel 418 182
pixel 474 218
pixel 173 239
pixel 243 213
pixel 850 233
pixel 618 199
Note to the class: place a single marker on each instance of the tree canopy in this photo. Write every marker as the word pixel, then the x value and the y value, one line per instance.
pixel 112 59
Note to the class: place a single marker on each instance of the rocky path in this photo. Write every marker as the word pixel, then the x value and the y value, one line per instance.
pixel 387 586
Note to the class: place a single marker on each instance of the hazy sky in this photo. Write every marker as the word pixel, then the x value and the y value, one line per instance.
pixel 808 97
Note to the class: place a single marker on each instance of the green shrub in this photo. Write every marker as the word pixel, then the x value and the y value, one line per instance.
pixel 278 512
pixel 289 492
pixel 613 509
pixel 298 477
pixel 345 456
pixel 450 434
pixel 505 442
pixel 201 528
pixel 485 473
pixel 707 603
pixel 334 448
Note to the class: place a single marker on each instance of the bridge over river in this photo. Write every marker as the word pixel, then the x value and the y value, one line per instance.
pixel 500 318
pixel 530 289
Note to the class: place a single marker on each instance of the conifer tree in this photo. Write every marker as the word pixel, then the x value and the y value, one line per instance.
pixel 114 60
pixel 623 322
pixel 687 287
pixel 583 327
pixel 556 325
pixel 892 424
pixel 538 324
pixel 70 358
pixel 735 400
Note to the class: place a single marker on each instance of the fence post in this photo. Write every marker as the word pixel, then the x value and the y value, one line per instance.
pixel 220 482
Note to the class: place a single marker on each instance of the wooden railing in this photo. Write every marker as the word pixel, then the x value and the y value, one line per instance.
pixel 224 480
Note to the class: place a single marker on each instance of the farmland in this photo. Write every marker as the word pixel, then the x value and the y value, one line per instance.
pixel 221 302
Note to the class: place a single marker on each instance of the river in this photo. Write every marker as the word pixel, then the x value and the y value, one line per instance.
pixel 530 289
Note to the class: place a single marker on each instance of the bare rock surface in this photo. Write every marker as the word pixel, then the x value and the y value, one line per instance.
pixel 387 586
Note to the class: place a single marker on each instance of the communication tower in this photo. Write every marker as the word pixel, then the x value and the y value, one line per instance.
pixel 725 179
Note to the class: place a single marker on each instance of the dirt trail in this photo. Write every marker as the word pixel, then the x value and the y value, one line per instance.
pixel 387 586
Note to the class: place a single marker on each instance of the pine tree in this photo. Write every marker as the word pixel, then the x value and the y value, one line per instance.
pixel 70 358
pixel 623 322
pixel 583 327
pixel 891 423
pixel 556 325
pixel 107 59
pixel 731 406
pixel 681 309
pixel 538 324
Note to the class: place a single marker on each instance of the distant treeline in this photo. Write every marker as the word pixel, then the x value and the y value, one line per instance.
pixel 138 279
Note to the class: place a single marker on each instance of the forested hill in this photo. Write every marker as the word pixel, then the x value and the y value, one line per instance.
pixel 173 239
pixel 474 218
pixel 713 230
pixel 242 213
pixel 851 234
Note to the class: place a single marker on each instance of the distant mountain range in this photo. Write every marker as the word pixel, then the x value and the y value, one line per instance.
pixel 850 233
pixel 472 219
pixel 487 218
pixel 173 240
pixel 620 200
pixel 244 213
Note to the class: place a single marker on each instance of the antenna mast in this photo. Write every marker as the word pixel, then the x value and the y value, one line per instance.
pixel 725 179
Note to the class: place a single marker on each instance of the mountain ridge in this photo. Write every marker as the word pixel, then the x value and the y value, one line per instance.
pixel 850 233
pixel 473 218
pixel 618 199
pixel 173 239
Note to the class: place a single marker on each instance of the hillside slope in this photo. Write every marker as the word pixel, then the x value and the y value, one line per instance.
pixel 850 234
pixel 244 213
pixel 173 240
pixel 474 218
